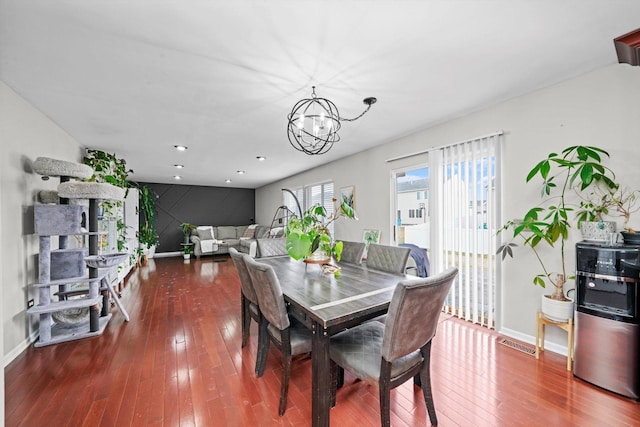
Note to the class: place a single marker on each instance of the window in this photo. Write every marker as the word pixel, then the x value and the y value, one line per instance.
pixel 320 194
pixel 310 195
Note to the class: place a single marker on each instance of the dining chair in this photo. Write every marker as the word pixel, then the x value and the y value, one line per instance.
pixel 288 335
pixel 248 298
pixel 392 259
pixel 400 349
pixel 352 252
pixel 271 247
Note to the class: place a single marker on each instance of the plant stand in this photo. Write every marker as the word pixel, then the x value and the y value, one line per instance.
pixel 566 325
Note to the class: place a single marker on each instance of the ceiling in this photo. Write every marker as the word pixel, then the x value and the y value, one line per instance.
pixel 135 77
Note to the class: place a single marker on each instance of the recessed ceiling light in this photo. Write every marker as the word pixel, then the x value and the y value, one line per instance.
pixel 180 147
pixel 261 158
pixel 227 180
pixel 177 177
pixel 178 166
pixel 241 172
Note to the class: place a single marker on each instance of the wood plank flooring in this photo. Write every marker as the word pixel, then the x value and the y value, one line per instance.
pixel 178 362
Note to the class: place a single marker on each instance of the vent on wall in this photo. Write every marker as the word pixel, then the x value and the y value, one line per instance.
pixel 628 48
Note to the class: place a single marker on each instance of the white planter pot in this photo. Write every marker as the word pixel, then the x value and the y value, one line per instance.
pixel 597 231
pixel 186 256
pixel 559 311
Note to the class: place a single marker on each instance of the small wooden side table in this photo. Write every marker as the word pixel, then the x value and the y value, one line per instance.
pixel 540 329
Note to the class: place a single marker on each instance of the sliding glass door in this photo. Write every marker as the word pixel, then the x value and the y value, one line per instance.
pixel 412 220
pixel 449 207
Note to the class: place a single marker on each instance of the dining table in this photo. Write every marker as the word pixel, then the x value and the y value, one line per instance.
pixel 327 303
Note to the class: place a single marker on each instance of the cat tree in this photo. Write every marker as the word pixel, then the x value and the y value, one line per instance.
pixel 77 276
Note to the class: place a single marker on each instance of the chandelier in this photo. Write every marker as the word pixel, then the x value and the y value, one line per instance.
pixel 314 124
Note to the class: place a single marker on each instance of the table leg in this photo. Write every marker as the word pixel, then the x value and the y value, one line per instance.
pixel 320 377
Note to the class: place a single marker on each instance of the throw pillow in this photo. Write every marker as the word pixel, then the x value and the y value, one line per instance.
pixel 205 233
pixel 250 232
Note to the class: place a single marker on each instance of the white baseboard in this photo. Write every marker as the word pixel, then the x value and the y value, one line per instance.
pixel 9 357
pixel 167 254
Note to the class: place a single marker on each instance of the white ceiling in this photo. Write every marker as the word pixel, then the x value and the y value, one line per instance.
pixel 136 77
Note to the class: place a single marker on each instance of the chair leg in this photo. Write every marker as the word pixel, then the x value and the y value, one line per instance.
pixel 263 346
pixel 425 377
pixel 246 320
pixel 284 387
pixel 417 381
pixel 384 385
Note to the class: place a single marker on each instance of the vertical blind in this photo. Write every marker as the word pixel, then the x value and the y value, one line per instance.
pixel 468 214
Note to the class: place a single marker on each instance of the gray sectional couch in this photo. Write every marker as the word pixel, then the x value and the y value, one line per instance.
pixel 226 237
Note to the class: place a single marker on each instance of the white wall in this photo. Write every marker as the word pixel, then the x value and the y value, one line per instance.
pixel 601 108
pixel 25 134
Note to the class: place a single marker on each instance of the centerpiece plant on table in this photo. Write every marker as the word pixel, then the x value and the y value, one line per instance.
pixel 309 237
pixel 546 226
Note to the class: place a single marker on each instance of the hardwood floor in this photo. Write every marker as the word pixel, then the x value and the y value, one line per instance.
pixel 178 362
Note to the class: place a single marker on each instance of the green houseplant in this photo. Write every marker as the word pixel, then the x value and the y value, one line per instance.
pixel 545 227
pixel 147 235
pixel 112 170
pixel 186 252
pixel 186 230
pixel 309 236
pixel 618 200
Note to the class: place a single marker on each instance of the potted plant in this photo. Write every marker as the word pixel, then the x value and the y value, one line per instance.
pixel 594 207
pixel 545 227
pixel 309 237
pixel 624 202
pixel 147 235
pixel 615 200
pixel 186 231
pixel 112 170
pixel 187 252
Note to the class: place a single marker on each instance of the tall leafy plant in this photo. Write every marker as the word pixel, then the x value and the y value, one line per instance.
pixel 147 234
pixel 112 170
pixel 546 226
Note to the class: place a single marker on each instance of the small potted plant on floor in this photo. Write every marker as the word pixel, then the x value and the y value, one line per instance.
pixel 187 252
pixel 545 227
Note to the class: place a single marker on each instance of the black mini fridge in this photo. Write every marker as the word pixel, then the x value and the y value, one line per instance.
pixel 607 335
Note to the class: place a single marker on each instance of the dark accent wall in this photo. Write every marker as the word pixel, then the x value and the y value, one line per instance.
pixel 198 205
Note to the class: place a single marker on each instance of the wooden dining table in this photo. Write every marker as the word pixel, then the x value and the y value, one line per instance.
pixel 327 304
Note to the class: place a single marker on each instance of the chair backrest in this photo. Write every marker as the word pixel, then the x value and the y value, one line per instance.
pixel 352 252
pixel 270 297
pixel 392 259
pixel 245 279
pixel 414 312
pixel 271 247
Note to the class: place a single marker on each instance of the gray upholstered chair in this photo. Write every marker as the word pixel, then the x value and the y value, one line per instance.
pixel 352 252
pixel 392 259
pixel 289 336
pixel 271 247
pixel 248 298
pixel 400 349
